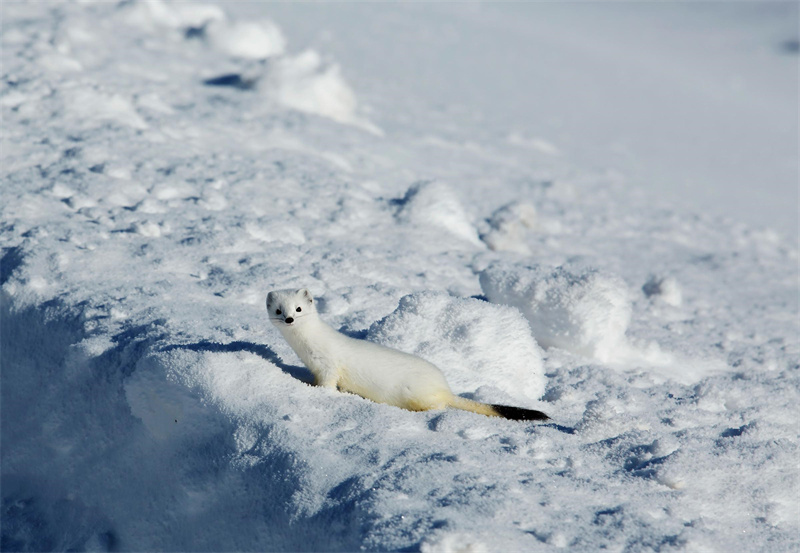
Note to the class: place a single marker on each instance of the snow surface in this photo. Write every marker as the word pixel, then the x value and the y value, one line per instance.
pixel 160 174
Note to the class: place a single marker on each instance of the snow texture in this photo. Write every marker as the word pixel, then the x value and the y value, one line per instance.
pixel 165 164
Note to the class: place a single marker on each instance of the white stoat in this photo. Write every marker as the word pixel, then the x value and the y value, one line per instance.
pixel 365 368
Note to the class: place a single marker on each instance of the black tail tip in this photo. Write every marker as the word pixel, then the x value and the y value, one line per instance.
pixel 520 414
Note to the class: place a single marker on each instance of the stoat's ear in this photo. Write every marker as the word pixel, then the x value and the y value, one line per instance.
pixel 306 294
pixel 270 297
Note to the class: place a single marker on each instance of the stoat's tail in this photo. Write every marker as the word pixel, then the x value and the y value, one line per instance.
pixel 513 413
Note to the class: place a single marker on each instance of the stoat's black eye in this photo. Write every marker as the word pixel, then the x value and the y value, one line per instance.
pixel 299 310
pixel 277 311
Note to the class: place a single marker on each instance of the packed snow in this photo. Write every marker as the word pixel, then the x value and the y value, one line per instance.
pixel 165 165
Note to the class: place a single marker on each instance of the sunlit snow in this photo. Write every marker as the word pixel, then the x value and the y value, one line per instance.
pixel 587 209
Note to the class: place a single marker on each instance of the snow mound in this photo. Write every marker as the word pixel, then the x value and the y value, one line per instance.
pixel 249 40
pixel 508 227
pixel 306 83
pixel 586 312
pixel 473 342
pixel 432 204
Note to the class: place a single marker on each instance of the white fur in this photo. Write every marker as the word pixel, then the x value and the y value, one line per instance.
pixel 370 370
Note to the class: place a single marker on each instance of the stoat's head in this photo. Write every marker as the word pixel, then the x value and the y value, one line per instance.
pixel 289 308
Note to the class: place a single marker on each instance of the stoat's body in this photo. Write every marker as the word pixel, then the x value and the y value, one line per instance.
pixel 365 368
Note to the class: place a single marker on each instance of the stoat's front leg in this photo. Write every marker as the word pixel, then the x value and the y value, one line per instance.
pixel 325 373
pixel 330 380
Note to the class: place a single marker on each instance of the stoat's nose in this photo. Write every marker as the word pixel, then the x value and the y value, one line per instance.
pixel 289 320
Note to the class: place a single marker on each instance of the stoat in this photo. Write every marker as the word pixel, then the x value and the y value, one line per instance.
pixel 368 369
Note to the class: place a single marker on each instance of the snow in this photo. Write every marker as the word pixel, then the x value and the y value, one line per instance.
pixel 486 186
pixel 434 204
pixel 246 39
pixel 508 227
pixel 696 103
pixel 585 313
pixel 665 289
